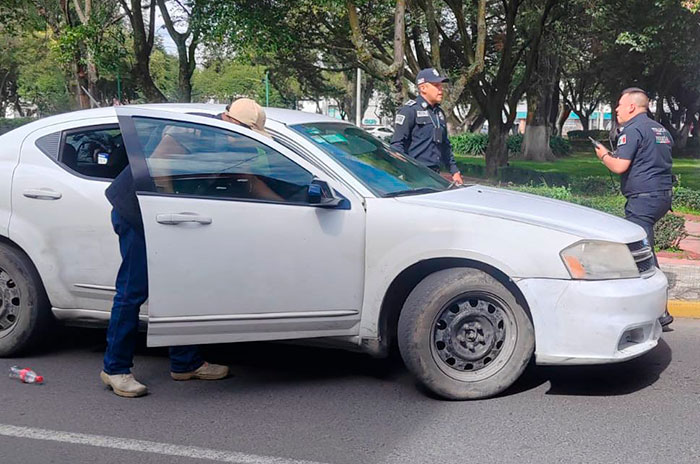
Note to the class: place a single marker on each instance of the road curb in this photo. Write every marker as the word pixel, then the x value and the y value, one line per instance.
pixel 679 308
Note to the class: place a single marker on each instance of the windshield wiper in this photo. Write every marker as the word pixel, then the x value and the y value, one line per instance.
pixel 415 191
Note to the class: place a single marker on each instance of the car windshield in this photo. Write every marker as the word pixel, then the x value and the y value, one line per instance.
pixel 383 171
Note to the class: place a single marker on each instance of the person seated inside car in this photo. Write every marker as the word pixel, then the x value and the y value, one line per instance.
pixel 175 140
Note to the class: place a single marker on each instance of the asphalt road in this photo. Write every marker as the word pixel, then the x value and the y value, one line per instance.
pixel 291 404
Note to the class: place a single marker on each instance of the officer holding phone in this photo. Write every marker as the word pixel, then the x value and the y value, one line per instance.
pixel 420 129
pixel 643 159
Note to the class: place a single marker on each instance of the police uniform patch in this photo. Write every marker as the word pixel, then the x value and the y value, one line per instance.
pixel 435 72
pixel 622 140
pixel 400 118
pixel 663 139
pixel 410 103
pixel 658 130
pixel 424 105
pixel 422 114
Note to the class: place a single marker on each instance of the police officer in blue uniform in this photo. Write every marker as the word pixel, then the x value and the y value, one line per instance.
pixel 643 159
pixel 420 129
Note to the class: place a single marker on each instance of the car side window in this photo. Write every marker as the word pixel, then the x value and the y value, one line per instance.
pixel 198 160
pixel 94 152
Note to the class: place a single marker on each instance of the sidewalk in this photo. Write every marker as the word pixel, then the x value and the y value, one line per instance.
pixel 683 272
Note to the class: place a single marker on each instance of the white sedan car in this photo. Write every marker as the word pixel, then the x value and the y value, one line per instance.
pixel 382 133
pixel 321 233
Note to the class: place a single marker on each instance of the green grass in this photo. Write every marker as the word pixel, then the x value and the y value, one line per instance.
pixel 584 164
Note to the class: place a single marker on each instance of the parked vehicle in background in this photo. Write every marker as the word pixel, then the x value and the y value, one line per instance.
pixel 382 133
pixel 351 243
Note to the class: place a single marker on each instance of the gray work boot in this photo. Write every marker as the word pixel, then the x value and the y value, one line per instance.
pixel 204 372
pixel 124 384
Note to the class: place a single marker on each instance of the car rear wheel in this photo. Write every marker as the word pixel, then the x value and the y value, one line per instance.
pixel 464 335
pixel 25 312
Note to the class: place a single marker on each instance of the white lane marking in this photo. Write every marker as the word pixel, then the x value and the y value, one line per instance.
pixel 143 446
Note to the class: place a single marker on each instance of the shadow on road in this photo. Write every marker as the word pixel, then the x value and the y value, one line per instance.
pixel 281 363
pixel 601 380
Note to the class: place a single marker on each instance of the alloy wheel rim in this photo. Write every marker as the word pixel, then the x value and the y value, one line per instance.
pixel 473 336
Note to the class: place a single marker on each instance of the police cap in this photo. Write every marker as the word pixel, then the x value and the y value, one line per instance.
pixel 430 75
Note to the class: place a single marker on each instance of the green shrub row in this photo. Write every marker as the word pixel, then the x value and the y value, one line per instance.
pixel 582 135
pixel 686 198
pixel 560 146
pixel 669 231
pixel 6 125
pixel 515 144
pixel 471 144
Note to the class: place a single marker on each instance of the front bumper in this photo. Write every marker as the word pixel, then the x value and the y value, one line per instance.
pixel 595 322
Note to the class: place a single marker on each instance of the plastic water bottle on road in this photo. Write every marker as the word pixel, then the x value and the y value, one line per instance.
pixel 25 375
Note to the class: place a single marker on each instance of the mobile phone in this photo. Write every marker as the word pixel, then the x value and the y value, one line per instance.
pixel 595 142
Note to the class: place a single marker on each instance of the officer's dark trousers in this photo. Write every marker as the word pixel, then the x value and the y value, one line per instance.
pixel 132 292
pixel 645 210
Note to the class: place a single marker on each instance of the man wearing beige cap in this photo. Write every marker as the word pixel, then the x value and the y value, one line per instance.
pixel 247 113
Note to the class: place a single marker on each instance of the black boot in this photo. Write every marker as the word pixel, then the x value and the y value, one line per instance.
pixel 665 321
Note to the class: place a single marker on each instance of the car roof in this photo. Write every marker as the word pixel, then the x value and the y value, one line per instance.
pixel 281 115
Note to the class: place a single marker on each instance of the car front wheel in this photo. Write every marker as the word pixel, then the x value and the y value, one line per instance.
pixel 24 306
pixel 464 335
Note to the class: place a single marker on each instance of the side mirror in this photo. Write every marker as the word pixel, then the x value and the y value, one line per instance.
pixel 320 194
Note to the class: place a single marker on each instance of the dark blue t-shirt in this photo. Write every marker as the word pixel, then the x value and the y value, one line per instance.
pixel 122 195
pixel 647 144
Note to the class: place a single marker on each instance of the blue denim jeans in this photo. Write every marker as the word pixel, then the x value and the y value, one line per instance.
pixel 132 292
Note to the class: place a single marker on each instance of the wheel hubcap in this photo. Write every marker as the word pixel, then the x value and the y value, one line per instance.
pixel 473 336
pixel 9 301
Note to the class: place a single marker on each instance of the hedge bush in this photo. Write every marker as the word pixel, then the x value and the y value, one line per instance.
pixel 469 144
pixel 515 144
pixel 6 125
pixel 594 185
pixel 582 135
pixel 669 231
pixel 524 176
pixel 559 145
pixel 687 198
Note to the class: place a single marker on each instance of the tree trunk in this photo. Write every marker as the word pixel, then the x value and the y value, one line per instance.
pixel 682 141
pixel 184 81
pixel 143 44
pixel 496 151
pixel 564 112
pixel 585 122
pixel 477 124
pixel 537 132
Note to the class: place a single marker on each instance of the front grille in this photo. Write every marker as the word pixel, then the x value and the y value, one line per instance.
pixel 643 256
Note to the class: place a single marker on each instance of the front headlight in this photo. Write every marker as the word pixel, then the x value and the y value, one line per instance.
pixel 597 260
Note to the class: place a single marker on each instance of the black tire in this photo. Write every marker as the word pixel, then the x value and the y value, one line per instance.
pixel 25 312
pixel 464 335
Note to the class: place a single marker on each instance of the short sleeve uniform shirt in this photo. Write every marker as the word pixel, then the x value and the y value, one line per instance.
pixel 647 144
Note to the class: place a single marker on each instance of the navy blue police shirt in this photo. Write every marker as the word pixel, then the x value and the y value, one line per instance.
pixel 414 135
pixel 647 144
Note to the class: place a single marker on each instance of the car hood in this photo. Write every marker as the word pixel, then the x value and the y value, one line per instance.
pixel 532 209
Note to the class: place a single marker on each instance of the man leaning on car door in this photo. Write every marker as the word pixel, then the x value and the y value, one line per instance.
pixel 131 293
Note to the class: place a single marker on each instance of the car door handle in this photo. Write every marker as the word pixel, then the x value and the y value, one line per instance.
pixel 42 194
pixel 181 218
